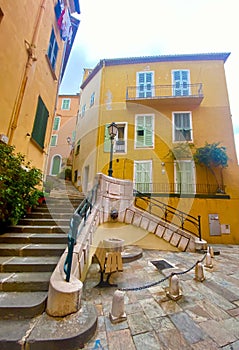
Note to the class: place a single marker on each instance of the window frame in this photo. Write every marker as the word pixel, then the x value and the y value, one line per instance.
pixel 58 118
pixel 137 143
pixel 55 137
pixel 144 185
pixel 92 99
pixel 184 186
pixel 66 101
pixel 52 51
pixel 174 127
pixel 181 80
pixel 144 85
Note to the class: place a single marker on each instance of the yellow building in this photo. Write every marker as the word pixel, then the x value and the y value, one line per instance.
pixel 36 38
pixel 165 107
pixel 63 134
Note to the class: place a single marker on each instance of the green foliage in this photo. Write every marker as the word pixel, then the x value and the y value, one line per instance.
pixel 18 181
pixel 211 155
pixel 65 174
pixel 182 150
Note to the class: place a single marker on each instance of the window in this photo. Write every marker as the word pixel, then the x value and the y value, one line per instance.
pixel 40 123
pixel 56 165
pixel 83 109
pixel 143 176
pixel 121 138
pixel 56 123
pixel 144 131
pixel 66 103
pixel 77 148
pixel 52 50
pixel 119 141
pixel 1 15
pixel 185 176
pixel 92 99
pixel 53 140
pixel 181 82
pixel 145 81
pixel 182 126
pixel 75 175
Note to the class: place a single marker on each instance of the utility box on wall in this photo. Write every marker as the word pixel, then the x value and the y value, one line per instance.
pixel 214 225
pixel 225 229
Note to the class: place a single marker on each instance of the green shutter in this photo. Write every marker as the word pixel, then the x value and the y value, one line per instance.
pixel 144 131
pixel 106 139
pixel 148 131
pixel 40 123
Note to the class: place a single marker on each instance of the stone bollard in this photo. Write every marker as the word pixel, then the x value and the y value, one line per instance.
pixel 199 272
pixel 174 292
pixel 117 313
pixel 208 260
pixel 210 250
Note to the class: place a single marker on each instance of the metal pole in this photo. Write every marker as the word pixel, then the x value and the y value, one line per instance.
pixel 110 171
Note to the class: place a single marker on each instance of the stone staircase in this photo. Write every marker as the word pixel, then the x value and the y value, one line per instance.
pixel 29 253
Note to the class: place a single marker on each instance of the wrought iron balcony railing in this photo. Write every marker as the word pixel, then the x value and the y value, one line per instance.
pixel 167 188
pixel 164 91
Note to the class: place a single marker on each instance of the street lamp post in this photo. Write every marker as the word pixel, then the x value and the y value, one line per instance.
pixel 112 129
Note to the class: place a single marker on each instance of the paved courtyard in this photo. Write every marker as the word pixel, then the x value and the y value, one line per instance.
pixel 205 317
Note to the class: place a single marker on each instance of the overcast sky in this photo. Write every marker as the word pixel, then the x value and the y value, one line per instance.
pixel 113 29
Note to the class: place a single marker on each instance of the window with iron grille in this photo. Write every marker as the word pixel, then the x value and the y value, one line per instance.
pixel 182 126
pixel 40 123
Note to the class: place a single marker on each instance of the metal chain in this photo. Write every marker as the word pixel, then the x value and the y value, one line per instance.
pixel 162 280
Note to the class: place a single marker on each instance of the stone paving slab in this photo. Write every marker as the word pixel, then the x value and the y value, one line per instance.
pixel 205 317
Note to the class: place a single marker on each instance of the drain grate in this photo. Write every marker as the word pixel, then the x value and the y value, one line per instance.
pixel 161 264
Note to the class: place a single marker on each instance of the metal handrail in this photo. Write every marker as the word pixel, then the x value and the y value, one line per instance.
pixel 165 91
pixel 178 188
pixel 77 222
pixel 170 212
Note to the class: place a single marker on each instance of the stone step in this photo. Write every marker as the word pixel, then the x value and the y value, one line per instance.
pixel 49 215
pixel 28 264
pixel 38 229
pixel 31 249
pixel 24 281
pixel 45 332
pixel 13 237
pixel 22 304
pixel 43 222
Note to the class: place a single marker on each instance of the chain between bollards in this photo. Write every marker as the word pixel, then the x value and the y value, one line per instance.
pixel 162 280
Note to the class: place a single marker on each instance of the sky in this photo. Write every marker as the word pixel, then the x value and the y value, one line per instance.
pixel 131 28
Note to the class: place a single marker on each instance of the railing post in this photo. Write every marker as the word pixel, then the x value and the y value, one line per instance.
pixel 199 227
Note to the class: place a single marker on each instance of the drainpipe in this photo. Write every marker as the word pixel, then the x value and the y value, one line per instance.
pixel 31 51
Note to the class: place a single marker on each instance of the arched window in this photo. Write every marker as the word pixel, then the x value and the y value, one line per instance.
pixel 56 165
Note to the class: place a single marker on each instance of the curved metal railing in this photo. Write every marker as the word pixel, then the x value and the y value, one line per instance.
pixel 181 219
pixel 77 222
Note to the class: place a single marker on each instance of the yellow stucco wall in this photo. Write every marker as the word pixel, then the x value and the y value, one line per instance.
pixel 87 134
pixel 19 25
pixel 211 122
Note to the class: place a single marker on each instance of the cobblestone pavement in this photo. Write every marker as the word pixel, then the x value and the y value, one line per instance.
pixel 206 317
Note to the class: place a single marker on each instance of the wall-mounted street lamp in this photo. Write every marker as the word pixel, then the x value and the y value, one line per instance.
pixel 112 129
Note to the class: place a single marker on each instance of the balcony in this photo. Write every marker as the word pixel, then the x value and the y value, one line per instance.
pixel 190 95
pixel 175 189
